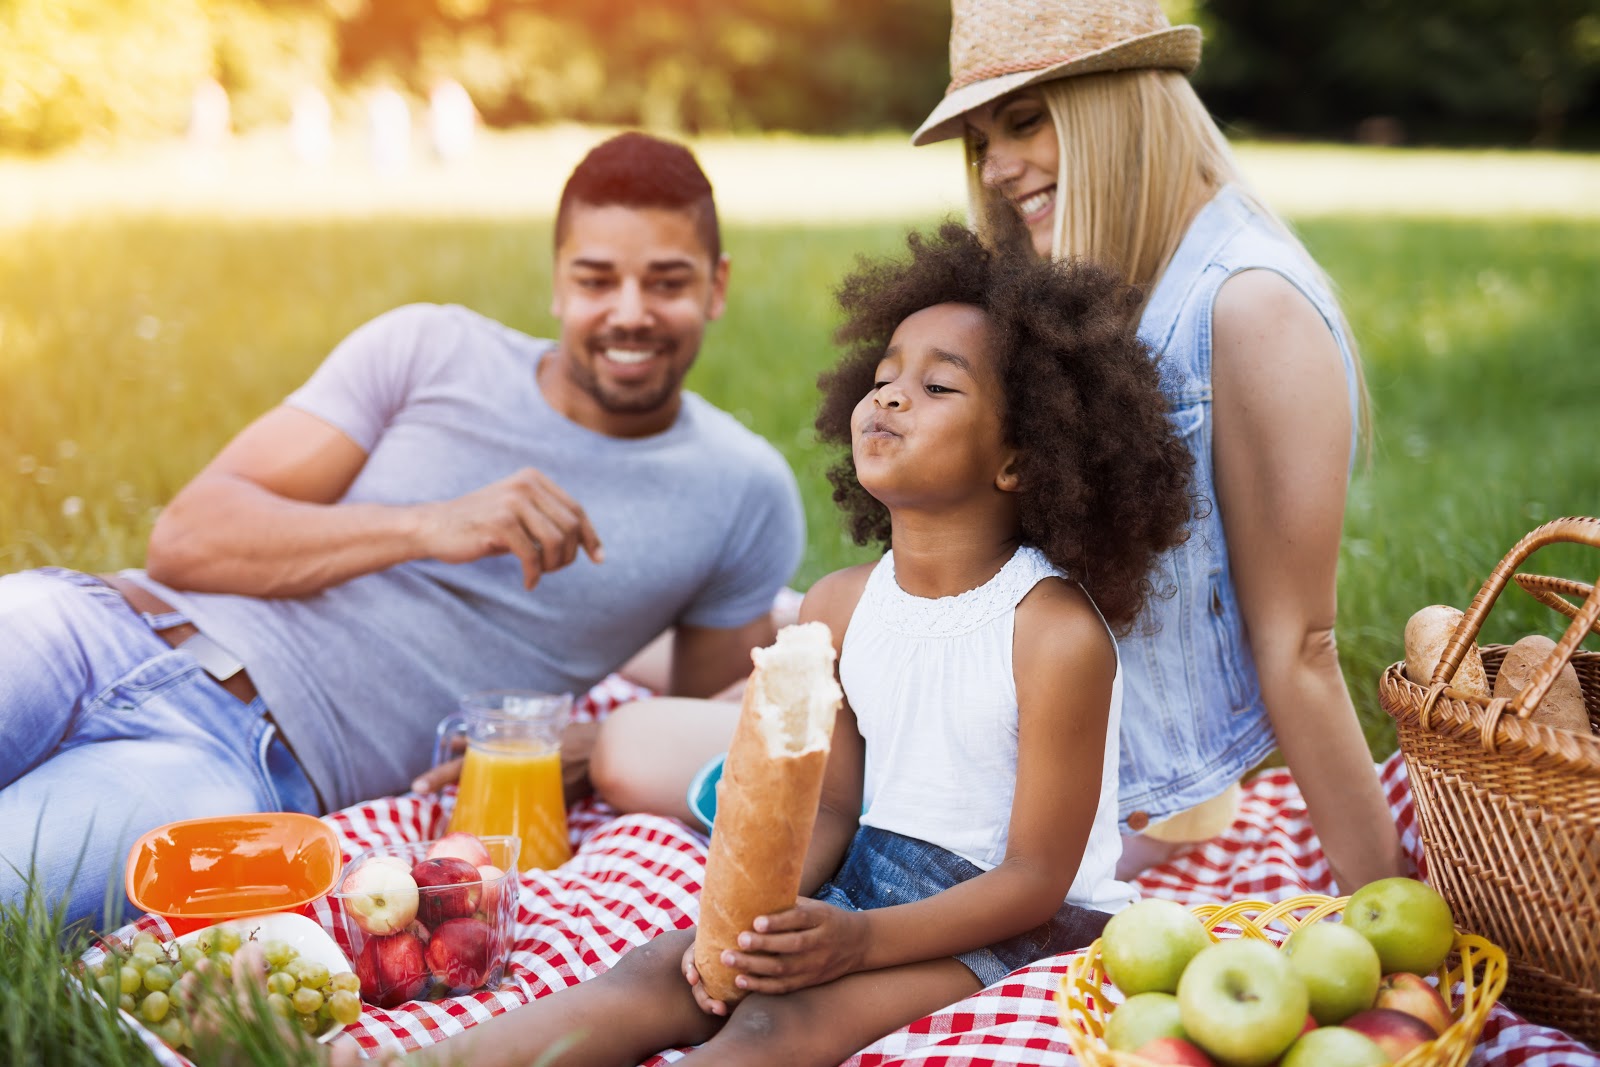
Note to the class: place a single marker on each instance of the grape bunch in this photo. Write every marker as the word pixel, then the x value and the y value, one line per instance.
pixel 147 977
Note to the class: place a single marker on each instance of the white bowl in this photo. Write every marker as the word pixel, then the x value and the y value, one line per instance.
pixel 305 936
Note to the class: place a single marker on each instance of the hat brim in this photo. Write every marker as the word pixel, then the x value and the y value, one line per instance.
pixel 1174 48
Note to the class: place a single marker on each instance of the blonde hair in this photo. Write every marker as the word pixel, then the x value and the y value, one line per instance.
pixel 1138 156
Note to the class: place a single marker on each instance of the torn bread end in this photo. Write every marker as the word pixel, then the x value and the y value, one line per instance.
pixel 797 693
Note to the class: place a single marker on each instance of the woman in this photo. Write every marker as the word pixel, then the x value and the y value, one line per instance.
pixel 1080 124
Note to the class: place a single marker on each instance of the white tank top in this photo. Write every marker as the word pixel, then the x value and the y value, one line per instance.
pixel 935 698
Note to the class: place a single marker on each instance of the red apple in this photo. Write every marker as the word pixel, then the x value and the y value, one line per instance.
pixel 461 952
pixel 1413 995
pixel 1173 1050
pixel 392 970
pixel 491 875
pixel 449 888
pixel 380 895
pixel 462 846
pixel 1396 1032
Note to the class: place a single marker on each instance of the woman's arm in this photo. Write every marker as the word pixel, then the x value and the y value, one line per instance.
pixel 1282 446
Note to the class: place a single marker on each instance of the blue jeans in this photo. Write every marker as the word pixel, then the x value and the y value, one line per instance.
pixel 883 868
pixel 107 732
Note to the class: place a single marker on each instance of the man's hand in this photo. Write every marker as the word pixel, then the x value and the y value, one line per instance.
pixel 577 742
pixel 807 945
pixel 526 515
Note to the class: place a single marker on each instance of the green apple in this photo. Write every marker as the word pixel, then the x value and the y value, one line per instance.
pixel 1339 967
pixel 1141 1019
pixel 1146 945
pixel 1334 1046
pixel 1408 922
pixel 1242 1003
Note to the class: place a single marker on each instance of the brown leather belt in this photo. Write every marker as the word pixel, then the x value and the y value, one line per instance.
pixel 235 681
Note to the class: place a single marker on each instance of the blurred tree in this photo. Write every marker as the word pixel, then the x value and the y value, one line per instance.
pixel 1306 65
pixel 83 68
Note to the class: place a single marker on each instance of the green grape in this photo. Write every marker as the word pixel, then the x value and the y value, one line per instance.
pixel 155 1007
pixel 147 953
pixel 345 982
pixel 98 971
pixel 345 1006
pixel 130 979
pixel 278 953
pixel 190 956
pixel 228 940
pixel 127 1003
pixel 281 982
pixel 309 1023
pixel 110 987
pixel 312 975
pixel 205 942
pixel 158 979
pixel 307 1001
pixel 171 1030
pixel 280 1005
pixel 144 937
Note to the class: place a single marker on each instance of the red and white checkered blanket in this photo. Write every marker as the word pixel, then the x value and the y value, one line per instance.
pixel 633 877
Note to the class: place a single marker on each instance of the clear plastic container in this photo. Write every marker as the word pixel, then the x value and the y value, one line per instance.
pixel 420 928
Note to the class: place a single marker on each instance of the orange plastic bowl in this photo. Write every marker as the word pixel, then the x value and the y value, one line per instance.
pixel 201 871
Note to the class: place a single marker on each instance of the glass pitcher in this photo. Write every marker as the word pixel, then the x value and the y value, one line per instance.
pixel 511 778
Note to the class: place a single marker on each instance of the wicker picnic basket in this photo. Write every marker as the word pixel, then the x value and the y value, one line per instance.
pixel 1510 810
pixel 1470 980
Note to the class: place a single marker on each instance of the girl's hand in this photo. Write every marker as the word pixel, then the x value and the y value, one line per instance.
pixel 692 975
pixel 807 945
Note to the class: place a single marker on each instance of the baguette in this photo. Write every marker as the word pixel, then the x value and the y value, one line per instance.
pixel 1427 632
pixel 1562 706
pixel 768 797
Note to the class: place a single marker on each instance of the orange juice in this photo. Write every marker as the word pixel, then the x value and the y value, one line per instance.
pixel 516 791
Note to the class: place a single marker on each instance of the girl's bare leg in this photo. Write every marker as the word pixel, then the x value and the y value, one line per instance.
pixel 617 1019
pixel 825 1025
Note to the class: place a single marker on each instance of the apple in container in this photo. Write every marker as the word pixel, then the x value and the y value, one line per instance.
pixel 393 969
pixel 381 895
pixel 448 888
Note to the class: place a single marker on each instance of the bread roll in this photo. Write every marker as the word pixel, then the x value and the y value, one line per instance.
pixel 1427 632
pixel 768 797
pixel 1562 706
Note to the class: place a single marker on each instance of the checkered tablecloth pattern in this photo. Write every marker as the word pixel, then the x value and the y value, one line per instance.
pixel 632 877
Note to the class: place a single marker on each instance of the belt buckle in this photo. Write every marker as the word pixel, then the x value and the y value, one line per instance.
pixel 212 657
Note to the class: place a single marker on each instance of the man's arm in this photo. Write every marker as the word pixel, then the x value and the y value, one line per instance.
pixel 707 661
pixel 263 518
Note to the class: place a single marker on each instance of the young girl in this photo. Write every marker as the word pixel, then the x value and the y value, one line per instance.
pixel 1010 447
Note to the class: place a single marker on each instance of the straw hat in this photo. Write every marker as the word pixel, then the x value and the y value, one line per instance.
pixel 999 46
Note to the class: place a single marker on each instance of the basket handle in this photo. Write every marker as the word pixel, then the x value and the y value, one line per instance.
pixel 1582 531
pixel 1552 593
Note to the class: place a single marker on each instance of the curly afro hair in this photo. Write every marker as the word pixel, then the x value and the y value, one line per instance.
pixel 1104 479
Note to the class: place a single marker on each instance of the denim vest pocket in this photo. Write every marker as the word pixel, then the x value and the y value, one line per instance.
pixel 1227 629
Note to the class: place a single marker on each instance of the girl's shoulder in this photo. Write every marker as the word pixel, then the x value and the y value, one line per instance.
pixel 833 598
pixel 1058 623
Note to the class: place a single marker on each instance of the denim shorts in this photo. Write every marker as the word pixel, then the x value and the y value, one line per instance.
pixel 883 868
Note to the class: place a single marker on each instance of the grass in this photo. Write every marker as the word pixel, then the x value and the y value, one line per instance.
pixel 137 335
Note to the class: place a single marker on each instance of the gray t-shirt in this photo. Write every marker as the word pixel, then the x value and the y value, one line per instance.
pixel 702 525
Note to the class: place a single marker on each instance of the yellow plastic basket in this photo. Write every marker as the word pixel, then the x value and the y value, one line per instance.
pixel 1477 967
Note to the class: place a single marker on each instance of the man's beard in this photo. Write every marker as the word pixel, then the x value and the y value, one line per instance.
pixel 626 401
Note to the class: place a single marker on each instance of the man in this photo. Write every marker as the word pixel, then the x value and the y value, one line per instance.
pixel 446 505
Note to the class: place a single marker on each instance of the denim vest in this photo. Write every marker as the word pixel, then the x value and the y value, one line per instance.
pixel 1193 720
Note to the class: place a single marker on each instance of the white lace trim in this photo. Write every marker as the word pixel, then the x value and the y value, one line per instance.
pixel 898 611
